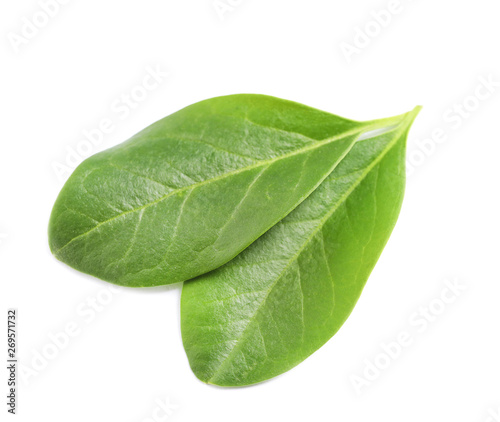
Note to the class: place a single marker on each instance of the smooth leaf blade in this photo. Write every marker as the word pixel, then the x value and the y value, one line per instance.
pixel 186 195
pixel 291 290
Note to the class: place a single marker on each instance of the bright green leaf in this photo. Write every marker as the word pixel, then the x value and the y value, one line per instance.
pixel 288 293
pixel 190 192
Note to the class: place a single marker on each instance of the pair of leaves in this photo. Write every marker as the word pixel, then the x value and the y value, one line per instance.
pixel 194 190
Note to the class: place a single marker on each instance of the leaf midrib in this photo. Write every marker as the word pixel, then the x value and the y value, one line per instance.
pixel 258 164
pixel 321 223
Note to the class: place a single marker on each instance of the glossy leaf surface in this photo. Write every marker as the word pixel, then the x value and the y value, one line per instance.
pixel 288 293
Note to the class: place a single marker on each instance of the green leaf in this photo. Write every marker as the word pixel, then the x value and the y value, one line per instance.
pixel 190 192
pixel 288 293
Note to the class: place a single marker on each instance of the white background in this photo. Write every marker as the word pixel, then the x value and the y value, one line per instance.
pixel 65 78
